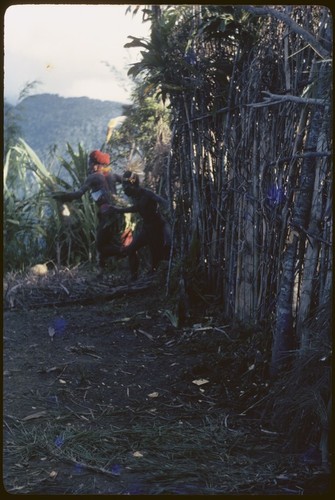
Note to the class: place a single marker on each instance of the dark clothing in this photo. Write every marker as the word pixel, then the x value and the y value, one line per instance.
pixel 155 232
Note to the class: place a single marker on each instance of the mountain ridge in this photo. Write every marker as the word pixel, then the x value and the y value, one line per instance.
pixel 48 122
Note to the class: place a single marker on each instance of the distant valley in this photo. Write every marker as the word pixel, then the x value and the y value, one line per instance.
pixel 48 122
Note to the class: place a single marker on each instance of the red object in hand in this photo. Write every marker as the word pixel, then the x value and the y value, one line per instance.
pixel 126 237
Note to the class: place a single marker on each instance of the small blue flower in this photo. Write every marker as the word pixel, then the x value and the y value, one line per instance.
pixel 59 441
pixel 59 325
pixel 276 196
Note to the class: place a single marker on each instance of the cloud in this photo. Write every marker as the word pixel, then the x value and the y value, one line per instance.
pixel 95 88
pixel 70 48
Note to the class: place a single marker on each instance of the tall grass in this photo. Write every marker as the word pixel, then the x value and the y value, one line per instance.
pixel 36 228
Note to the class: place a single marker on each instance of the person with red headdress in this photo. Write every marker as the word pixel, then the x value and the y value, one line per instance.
pixel 101 181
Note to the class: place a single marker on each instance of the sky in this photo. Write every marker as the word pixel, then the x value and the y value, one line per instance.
pixel 72 50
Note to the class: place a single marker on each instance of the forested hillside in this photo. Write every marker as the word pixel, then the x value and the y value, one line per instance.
pixel 49 121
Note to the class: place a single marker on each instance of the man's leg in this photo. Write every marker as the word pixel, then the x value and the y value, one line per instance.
pixel 139 240
pixel 107 246
pixel 134 262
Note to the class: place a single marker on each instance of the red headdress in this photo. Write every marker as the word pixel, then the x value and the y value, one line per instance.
pixel 100 157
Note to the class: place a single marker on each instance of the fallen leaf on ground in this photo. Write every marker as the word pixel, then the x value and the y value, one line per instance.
pixel 200 381
pixel 153 395
pixel 35 415
pixel 148 335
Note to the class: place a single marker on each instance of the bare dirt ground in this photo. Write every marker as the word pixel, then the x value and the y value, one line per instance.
pixel 104 395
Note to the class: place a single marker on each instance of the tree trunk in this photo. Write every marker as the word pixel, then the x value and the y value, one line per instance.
pixel 284 334
pixel 283 340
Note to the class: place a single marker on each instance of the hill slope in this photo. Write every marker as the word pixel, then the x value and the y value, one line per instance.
pixel 48 121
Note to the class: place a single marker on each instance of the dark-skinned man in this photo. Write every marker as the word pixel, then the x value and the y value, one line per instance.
pixel 155 232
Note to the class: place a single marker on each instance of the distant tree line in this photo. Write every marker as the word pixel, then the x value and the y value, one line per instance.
pixel 47 122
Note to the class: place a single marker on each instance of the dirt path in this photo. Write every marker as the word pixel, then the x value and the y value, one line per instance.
pixel 112 398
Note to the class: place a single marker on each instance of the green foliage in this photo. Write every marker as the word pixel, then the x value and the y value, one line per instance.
pixel 163 64
pixel 144 134
pixel 183 53
pixel 77 244
pixel 35 229
pixel 25 209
